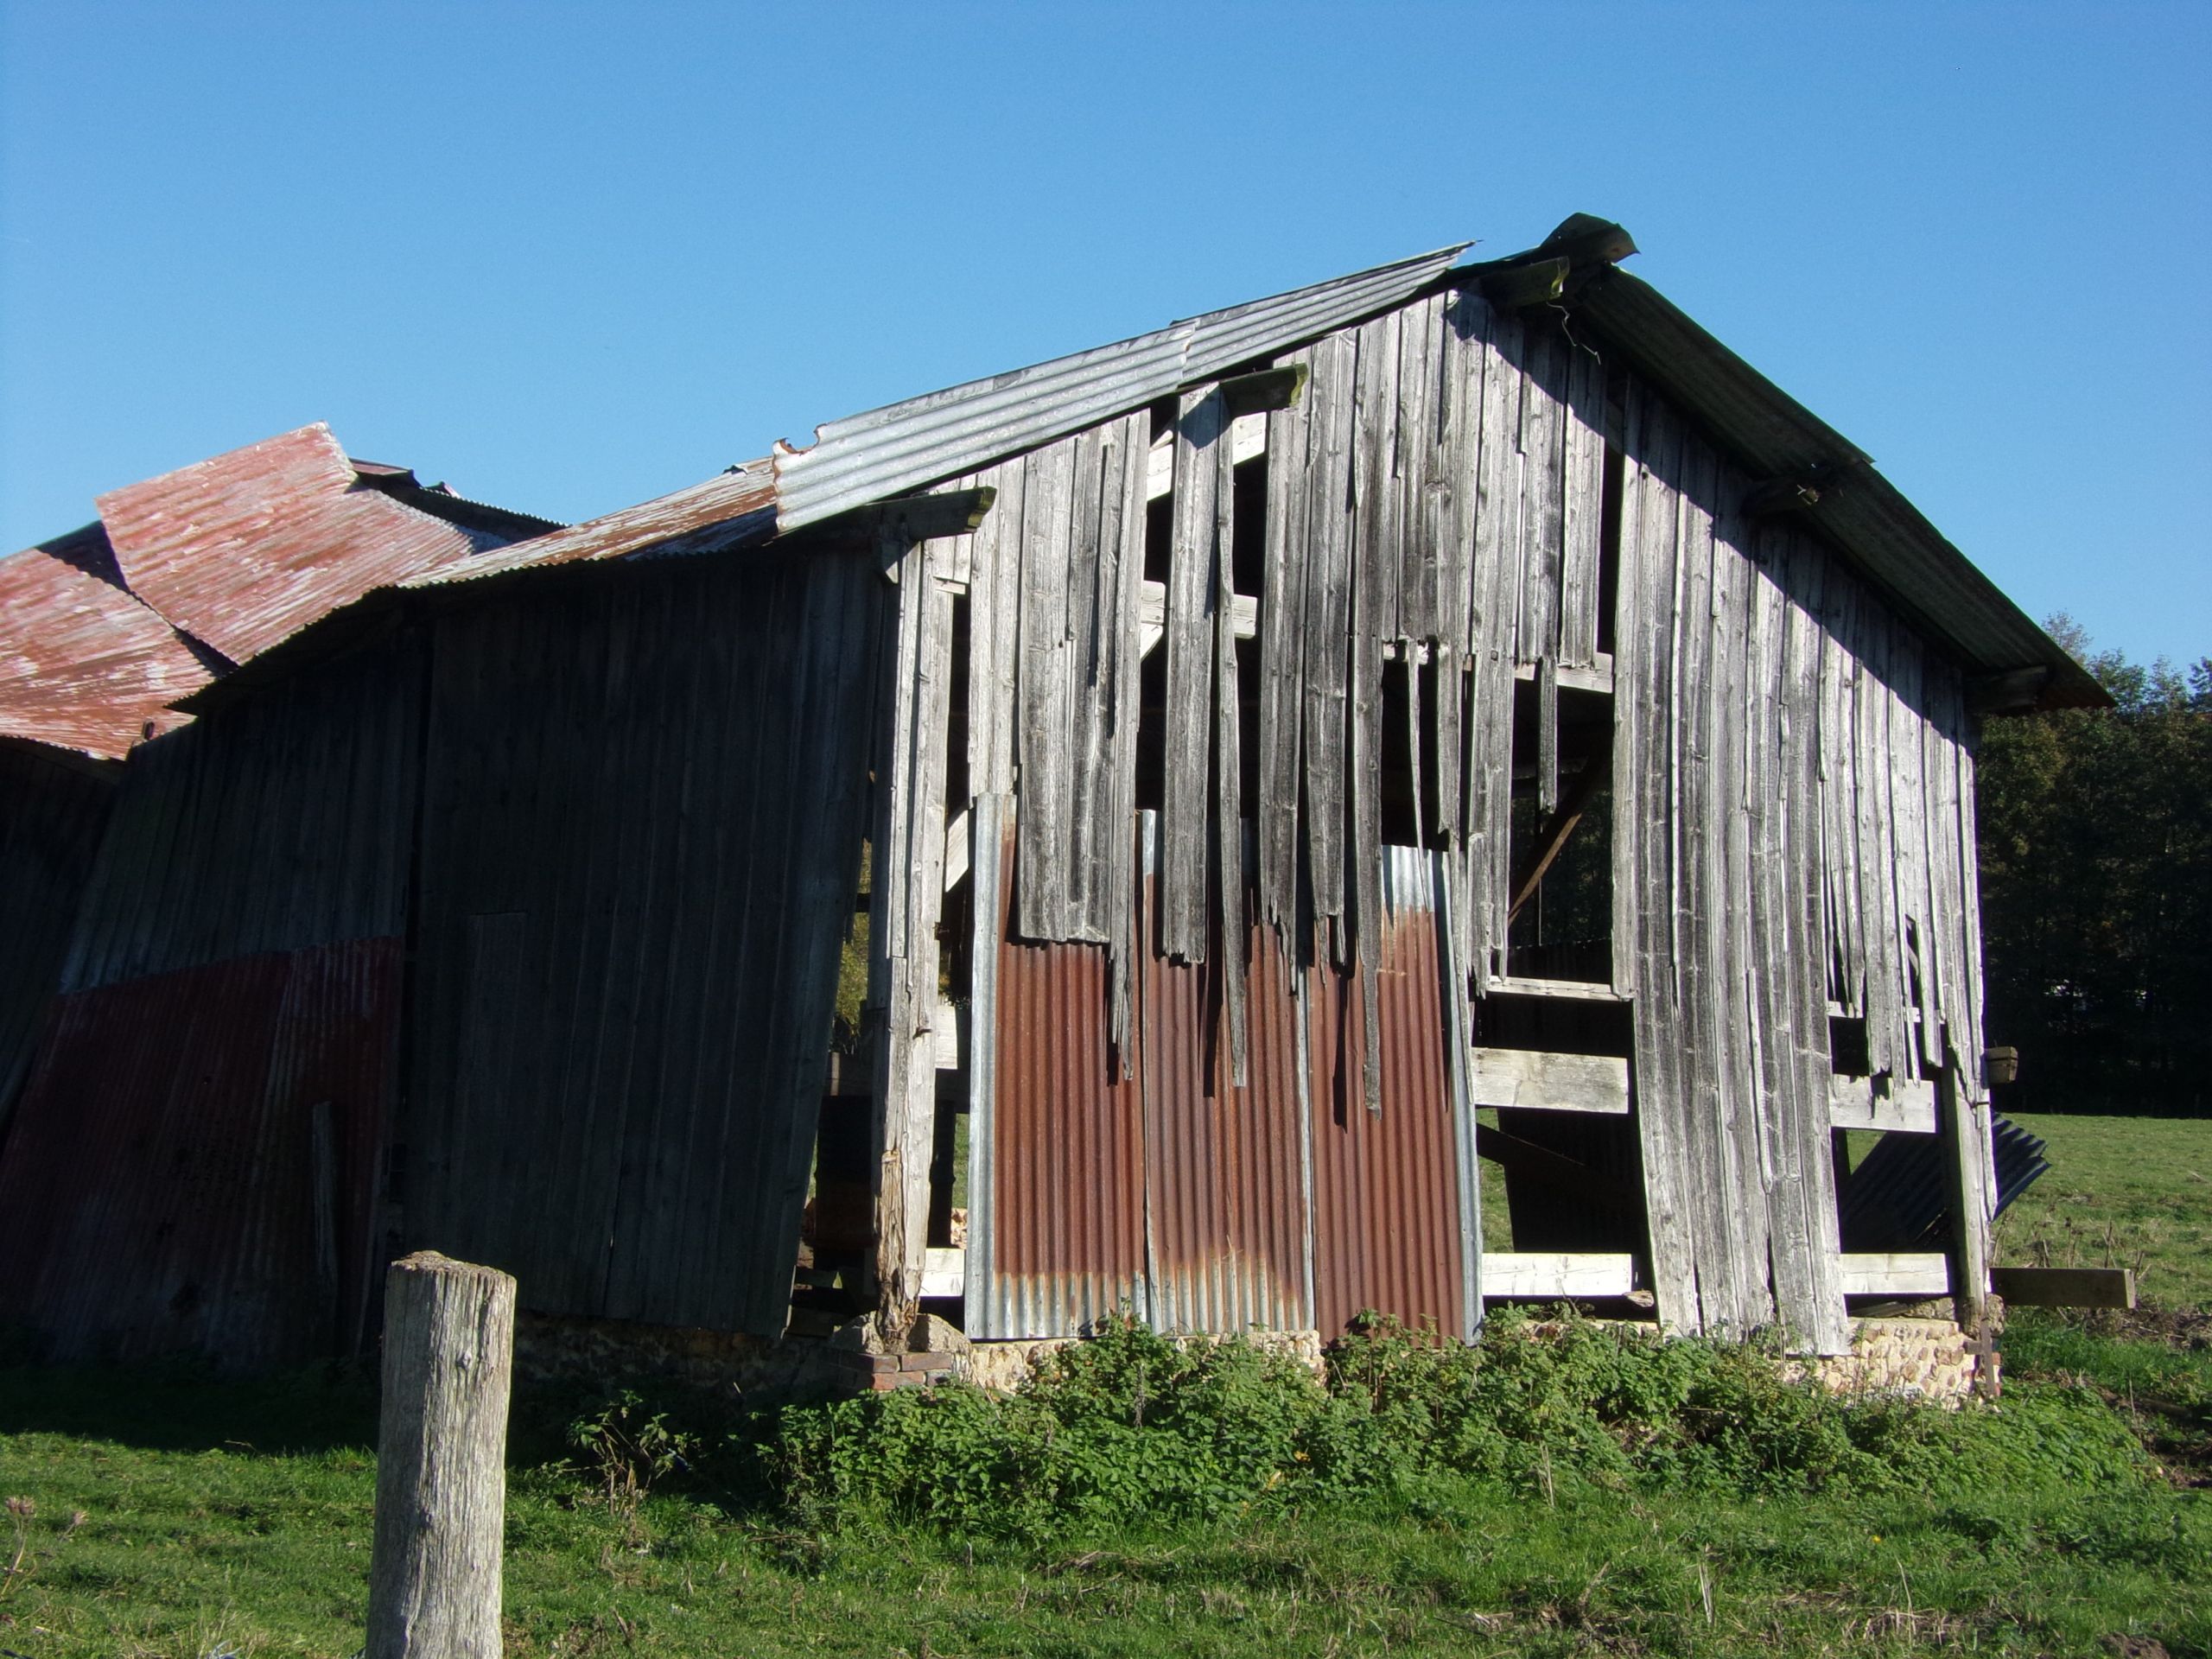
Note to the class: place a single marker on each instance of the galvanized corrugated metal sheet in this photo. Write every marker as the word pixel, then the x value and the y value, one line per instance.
pixel 192 1166
pixel 57 807
pixel 1386 1198
pixel 245 549
pixel 733 509
pixel 921 441
pixel 644 805
pixel 83 664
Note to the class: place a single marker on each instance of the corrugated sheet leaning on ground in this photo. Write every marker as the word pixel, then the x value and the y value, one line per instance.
pixel 642 833
pixel 83 664
pixel 193 1167
pixel 246 548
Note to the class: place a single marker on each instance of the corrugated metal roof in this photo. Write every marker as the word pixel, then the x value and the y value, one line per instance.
pixel 83 664
pixel 730 510
pixel 903 445
pixel 245 549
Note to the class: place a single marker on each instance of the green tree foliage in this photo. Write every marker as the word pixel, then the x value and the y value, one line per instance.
pixel 2097 891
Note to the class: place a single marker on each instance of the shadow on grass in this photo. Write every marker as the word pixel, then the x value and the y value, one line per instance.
pixel 184 1406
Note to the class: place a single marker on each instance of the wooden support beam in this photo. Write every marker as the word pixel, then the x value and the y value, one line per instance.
pixel 1552 1275
pixel 1905 1104
pixel 1901 1274
pixel 1527 1079
pixel 1151 613
pixel 2065 1286
pixel 1248 440
pixel 1572 990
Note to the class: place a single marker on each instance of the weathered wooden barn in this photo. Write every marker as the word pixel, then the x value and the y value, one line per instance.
pixel 1455 712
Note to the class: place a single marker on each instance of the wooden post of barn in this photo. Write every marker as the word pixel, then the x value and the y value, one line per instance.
pixel 448 1345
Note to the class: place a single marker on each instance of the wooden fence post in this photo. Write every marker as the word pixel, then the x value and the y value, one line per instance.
pixel 442 1490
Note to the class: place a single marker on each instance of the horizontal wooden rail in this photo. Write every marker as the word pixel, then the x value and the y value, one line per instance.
pixel 1507 1273
pixel 1912 1272
pixel 1906 1104
pixel 1528 1079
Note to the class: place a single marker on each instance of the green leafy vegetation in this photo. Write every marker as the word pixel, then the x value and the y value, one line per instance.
pixel 1560 1487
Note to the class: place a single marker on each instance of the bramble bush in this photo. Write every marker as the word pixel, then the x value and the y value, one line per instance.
pixel 1132 1426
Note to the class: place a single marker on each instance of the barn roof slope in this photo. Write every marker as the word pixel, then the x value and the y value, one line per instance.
pixel 84 665
pixel 104 631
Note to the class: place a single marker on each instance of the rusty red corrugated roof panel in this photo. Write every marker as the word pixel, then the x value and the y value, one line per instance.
pixel 246 548
pixel 727 511
pixel 83 664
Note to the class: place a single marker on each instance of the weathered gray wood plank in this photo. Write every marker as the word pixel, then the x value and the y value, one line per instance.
pixel 1282 622
pixel 1187 727
pixel 1230 880
pixel 1582 504
pixel 1328 617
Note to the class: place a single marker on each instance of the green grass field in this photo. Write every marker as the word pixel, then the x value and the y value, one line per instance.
pixel 162 1513
pixel 2122 1193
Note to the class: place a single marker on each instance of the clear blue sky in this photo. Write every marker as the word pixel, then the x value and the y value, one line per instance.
pixel 568 257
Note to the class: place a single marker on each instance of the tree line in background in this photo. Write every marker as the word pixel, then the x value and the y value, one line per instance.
pixel 2097 891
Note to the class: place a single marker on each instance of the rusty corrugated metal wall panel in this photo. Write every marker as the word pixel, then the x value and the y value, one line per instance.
pixel 1386 1198
pixel 56 808
pixel 286 820
pixel 1225 1177
pixel 1068 1158
pixel 245 549
pixel 886 452
pixel 83 664
pixel 644 805
pixel 192 1167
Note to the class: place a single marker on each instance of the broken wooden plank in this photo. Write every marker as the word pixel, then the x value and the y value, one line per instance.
pixel 1533 1079
pixel 1906 1105
pixel 2065 1286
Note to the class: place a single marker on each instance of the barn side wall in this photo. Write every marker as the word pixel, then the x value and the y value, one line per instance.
pixel 1471 530
pixel 642 818
pixel 193 1156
